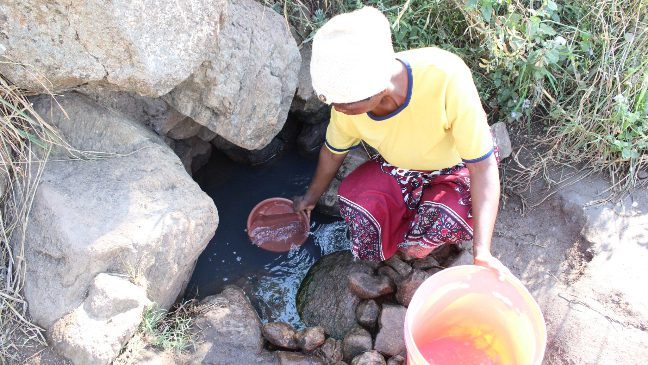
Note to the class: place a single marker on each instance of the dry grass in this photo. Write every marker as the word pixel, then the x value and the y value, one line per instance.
pixel 26 141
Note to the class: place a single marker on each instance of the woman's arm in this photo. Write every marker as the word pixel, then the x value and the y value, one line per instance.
pixel 327 166
pixel 485 194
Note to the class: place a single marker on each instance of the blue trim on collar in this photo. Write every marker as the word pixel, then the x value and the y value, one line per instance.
pixel 407 99
pixel 480 158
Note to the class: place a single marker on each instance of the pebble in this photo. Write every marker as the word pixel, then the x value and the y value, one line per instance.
pixel 296 358
pixel 369 358
pixel 367 286
pixel 367 313
pixel 407 287
pixel 330 351
pixel 280 334
pixel 397 360
pixel 389 272
pixel 310 338
pixel 357 341
pixel 400 266
pixel 390 340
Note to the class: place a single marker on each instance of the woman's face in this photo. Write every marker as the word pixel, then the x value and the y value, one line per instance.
pixel 358 107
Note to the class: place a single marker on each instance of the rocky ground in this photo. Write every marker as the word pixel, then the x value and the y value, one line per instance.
pixel 580 260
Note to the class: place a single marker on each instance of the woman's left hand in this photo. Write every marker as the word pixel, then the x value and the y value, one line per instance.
pixel 491 262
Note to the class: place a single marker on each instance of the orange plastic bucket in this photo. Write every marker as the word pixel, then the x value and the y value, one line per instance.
pixel 465 315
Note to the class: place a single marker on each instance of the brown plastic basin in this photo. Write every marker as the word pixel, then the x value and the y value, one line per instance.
pixel 274 226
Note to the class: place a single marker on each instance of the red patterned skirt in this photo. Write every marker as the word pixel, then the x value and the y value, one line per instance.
pixel 387 208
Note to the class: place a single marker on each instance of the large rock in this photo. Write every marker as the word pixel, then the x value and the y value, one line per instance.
pixel 146 47
pixel 135 212
pixel 96 330
pixel 324 298
pixel 244 92
pixel 229 332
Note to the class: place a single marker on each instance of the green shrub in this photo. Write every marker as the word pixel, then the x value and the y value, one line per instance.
pixel 579 68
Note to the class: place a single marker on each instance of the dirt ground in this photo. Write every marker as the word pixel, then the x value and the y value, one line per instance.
pixel 585 264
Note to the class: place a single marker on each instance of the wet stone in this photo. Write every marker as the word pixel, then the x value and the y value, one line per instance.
pixel 389 272
pixel 357 341
pixel 367 286
pixel 369 358
pixel 367 313
pixel 425 263
pixel 330 351
pixel 390 340
pixel 396 360
pixel 400 266
pixel 407 287
pixel 280 334
pixel 311 338
pixel 296 358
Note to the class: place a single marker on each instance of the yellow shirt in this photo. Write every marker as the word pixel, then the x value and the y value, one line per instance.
pixel 440 123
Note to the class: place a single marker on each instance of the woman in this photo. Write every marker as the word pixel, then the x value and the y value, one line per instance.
pixel 436 180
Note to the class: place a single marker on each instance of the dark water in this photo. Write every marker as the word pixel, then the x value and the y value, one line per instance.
pixel 269 279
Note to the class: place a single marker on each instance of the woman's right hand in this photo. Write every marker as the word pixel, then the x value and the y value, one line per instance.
pixel 302 205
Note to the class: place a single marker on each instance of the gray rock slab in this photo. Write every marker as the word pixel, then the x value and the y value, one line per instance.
pixel 243 93
pixel 142 47
pixel 95 332
pixel 134 212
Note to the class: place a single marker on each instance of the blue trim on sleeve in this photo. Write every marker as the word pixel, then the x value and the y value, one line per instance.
pixel 340 149
pixel 407 99
pixel 480 158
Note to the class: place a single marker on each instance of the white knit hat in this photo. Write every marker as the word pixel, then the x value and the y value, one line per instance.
pixel 352 56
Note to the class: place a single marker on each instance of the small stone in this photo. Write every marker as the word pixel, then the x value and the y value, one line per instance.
pixel 330 351
pixel 407 287
pixel 367 286
pixel 310 338
pixel 425 263
pixel 357 341
pixel 642 174
pixel 390 340
pixel 367 313
pixel 396 360
pixel 369 358
pixel 502 139
pixel 401 267
pixel 296 358
pixel 280 334
pixel 389 272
